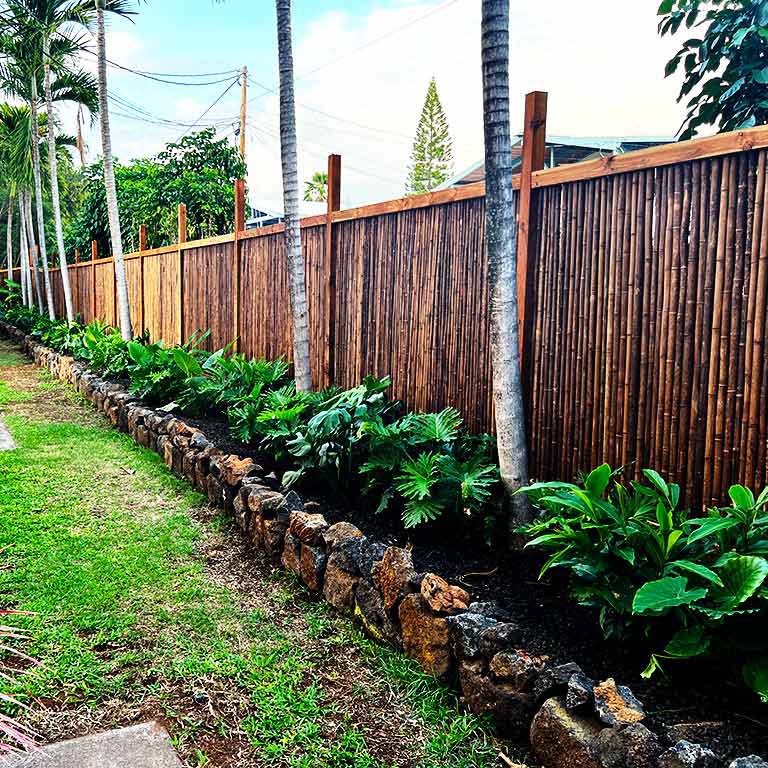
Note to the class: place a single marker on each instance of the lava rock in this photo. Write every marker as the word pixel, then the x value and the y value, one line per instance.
pixel 370 554
pixel 499 637
pixel 616 704
pixel 579 692
pixel 312 563
pixel 753 761
pixel 339 584
pixel 394 576
pixel 517 668
pixel 340 533
pixel 492 610
pixel 372 614
pixel 510 709
pixel 272 533
pixel 554 680
pixel 561 739
pixel 687 755
pixel 441 596
pixel 465 630
pixel 308 528
pixel 291 557
pixel 631 747
pixel 425 636
pixel 263 501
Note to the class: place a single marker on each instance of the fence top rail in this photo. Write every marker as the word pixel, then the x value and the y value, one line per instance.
pixel 639 160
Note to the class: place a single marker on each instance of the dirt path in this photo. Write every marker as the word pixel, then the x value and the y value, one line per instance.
pixel 148 604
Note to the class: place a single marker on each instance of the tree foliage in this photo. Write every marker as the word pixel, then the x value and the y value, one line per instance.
pixel 725 65
pixel 316 188
pixel 432 154
pixel 200 171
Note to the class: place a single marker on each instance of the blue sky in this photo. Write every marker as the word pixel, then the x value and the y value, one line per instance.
pixel 362 71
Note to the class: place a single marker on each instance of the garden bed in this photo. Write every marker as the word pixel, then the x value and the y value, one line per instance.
pixel 495 658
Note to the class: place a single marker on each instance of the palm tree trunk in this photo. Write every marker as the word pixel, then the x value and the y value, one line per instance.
pixel 53 163
pixel 113 212
pixel 9 239
pixel 39 199
pixel 35 267
pixel 501 240
pixel 25 278
pixel 294 257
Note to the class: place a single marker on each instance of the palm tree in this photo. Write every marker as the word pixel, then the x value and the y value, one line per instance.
pixel 294 257
pixel 316 189
pixel 113 211
pixel 501 239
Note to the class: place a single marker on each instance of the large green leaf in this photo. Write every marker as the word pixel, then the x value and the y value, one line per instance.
pixel 696 568
pixel 669 592
pixel 688 643
pixel 709 525
pixel 742 577
pixel 755 673
pixel 598 479
pixel 742 497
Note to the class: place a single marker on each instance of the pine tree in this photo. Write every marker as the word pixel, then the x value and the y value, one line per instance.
pixel 432 154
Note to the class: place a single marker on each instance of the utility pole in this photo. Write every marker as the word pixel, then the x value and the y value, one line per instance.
pixel 80 144
pixel 243 110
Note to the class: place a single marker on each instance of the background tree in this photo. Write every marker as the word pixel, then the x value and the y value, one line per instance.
pixel 290 164
pixel 501 241
pixel 432 154
pixel 724 63
pixel 200 171
pixel 316 189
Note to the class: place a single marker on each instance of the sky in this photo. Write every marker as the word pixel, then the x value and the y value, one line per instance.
pixel 362 70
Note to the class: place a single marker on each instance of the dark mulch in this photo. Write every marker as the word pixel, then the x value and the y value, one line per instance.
pixel 551 623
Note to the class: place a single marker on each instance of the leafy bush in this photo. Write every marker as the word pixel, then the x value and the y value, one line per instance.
pixel 159 374
pixel 699 583
pixel 60 335
pixel 105 350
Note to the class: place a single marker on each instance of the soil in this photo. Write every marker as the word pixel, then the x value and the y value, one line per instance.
pixel 553 625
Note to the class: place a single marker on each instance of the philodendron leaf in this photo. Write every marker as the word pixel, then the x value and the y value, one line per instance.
pixel 755 673
pixel 598 479
pixel 688 643
pixel 669 592
pixel 699 570
pixel 742 577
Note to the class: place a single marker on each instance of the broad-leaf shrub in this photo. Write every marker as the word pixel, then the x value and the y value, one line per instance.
pixel 692 585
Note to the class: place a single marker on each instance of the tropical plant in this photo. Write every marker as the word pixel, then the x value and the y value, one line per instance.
pixel 289 157
pixel 725 65
pixel 501 240
pixel 690 584
pixel 432 153
pixel 316 189
pixel 105 349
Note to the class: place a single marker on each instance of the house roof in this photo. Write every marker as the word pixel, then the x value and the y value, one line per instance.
pixel 562 150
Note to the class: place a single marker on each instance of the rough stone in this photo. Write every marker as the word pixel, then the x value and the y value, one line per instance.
pixel 443 597
pixel 465 630
pixel 631 747
pixel 308 527
pixel 685 754
pixel 291 558
pixel 371 553
pixel 616 704
pixel 242 513
pixel 499 637
pixel 393 575
pixel 272 536
pixel 553 681
pixel 340 533
pixel 709 733
pixel 425 636
pixel 370 611
pixel 263 501
pixel 232 469
pixel 579 692
pixel 510 709
pixel 214 489
pixel 561 739
pixel 517 668
pixel 753 761
pixel 312 563
pixel 339 584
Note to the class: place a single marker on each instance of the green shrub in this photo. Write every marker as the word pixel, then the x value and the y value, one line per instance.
pixel 692 585
pixel 104 350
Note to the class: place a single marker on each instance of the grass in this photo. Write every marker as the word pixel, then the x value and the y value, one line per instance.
pixel 100 543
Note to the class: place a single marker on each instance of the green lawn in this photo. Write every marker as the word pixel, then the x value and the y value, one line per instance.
pixel 137 614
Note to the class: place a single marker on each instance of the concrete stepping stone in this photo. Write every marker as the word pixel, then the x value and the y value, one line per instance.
pixel 6 441
pixel 141 746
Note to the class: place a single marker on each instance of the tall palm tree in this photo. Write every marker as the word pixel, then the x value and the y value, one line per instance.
pixel 501 239
pixel 294 257
pixel 26 273
pixel 113 212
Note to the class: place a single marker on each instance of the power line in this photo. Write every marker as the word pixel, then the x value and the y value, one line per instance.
pixel 223 94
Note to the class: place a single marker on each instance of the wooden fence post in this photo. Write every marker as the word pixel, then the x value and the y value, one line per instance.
pixel 77 256
pixel 334 204
pixel 94 256
pixel 181 239
pixel 239 227
pixel 142 248
pixel 534 150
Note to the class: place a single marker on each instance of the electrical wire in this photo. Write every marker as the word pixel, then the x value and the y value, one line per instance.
pixel 197 122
